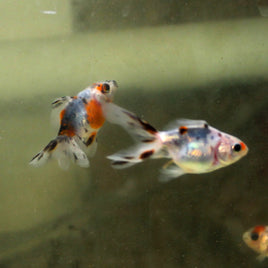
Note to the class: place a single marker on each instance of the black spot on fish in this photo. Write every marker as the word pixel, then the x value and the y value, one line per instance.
pixel 114 163
pixel 146 154
pixel 149 140
pixel 63 128
pixel 90 139
pixel 39 155
pixel 183 130
pixel 75 157
pixel 84 101
pixel 128 157
pixel 51 146
pixel 143 123
pixel 205 125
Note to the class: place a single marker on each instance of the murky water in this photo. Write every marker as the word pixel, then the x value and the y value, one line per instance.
pixel 101 217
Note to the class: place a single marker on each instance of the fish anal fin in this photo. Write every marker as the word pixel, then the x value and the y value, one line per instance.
pixel 170 171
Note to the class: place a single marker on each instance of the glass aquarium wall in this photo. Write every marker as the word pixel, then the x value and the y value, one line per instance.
pixel 202 60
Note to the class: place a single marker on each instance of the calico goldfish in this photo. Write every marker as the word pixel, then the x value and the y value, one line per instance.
pixel 80 117
pixel 192 145
pixel 257 239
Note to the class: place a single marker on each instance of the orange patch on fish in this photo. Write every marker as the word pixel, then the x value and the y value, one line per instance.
pixel 94 114
pixel 65 129
pixel 91 138
pixel 98 86
pixel 258 229
pixel 243 145
pixel 62 113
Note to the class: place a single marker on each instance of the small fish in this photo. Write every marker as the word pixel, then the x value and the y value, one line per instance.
pixel 81 117
pixel 192 145
pixel 257 239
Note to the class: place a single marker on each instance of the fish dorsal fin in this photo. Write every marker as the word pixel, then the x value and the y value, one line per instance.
pixel 186 123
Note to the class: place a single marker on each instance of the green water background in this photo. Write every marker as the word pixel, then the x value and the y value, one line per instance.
pixel 210 66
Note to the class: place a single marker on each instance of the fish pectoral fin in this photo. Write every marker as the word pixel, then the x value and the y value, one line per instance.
pixel 170 171
pixel 61 101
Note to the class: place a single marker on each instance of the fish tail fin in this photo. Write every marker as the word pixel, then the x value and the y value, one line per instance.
pixel 148 140
pixel 64 149
pixel 139 129
pixel 136 154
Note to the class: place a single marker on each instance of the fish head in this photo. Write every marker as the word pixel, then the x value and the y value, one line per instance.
pixel 230 149
pixel 257 238
pixel 104 91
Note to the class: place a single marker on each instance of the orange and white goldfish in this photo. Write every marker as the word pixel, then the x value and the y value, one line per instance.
pixel 81 117
pixel 192 145
pixel 257 239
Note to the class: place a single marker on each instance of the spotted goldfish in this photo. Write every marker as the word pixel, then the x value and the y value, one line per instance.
pixel 257 239
pixel 192 145
pixel 81 117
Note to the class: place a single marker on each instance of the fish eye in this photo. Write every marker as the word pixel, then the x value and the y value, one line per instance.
pixel 105 88
pixel 254 236
pixel 237 147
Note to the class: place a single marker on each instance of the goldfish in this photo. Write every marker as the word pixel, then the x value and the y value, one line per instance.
pixel 257 239
pixel 192 145
pixel 80 118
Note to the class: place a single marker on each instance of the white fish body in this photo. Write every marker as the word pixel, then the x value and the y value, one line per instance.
pixel 193 146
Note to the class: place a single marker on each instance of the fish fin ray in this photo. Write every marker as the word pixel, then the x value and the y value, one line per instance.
pixel 63 149
pixel 139 129
pixel 186 122
pixel 89 144
pixel 61 102
pixel 134 155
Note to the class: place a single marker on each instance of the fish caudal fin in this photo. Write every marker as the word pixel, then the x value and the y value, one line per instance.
pixel 149 144
pixel 63 149
pixel 139 129
pixel 136 154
